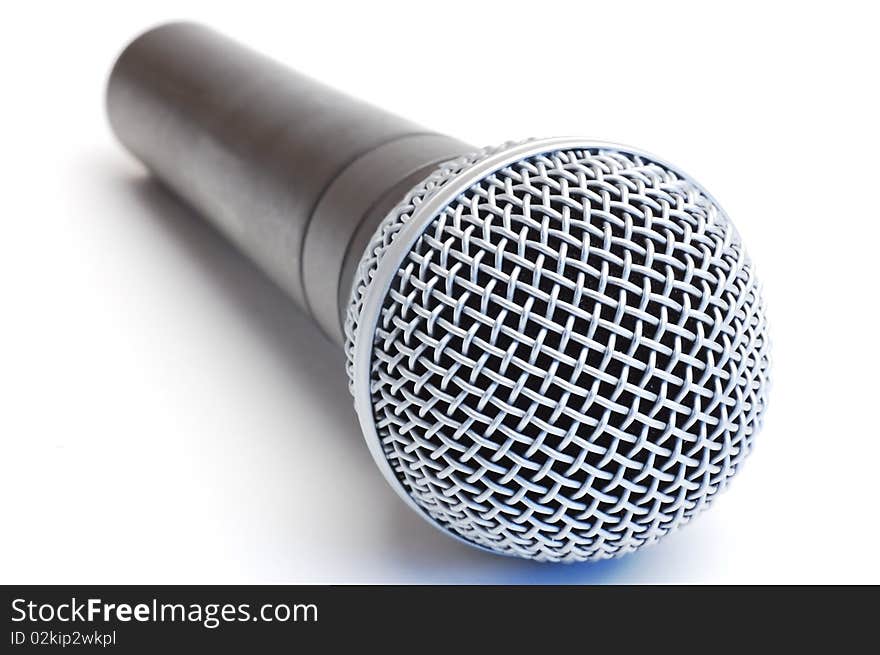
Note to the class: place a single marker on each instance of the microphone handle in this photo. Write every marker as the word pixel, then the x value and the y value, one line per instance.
pixel 296 174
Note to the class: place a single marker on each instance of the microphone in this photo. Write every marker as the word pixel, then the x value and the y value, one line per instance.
pixel 557 348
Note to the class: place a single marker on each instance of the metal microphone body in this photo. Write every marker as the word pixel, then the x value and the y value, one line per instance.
pixel 296 174
pixel 557 348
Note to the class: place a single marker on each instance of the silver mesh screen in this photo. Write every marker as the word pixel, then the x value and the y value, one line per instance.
pixel 572 359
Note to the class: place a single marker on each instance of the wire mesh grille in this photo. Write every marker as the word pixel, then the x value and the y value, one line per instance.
pixel 572 359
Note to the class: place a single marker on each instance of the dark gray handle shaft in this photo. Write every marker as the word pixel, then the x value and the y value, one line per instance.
pixel 298 175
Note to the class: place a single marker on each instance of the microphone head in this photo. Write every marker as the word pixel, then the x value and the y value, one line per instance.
pixel 558 349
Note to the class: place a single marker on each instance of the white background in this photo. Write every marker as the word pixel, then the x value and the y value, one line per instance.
pixel 167 416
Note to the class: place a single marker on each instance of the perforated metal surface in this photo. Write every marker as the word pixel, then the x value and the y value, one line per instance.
pixel 570 361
